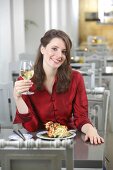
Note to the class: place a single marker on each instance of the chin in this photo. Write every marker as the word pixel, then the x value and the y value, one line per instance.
pixel 53 65
pixel 57 66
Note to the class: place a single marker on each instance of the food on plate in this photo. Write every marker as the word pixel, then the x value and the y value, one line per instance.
pixel 56 130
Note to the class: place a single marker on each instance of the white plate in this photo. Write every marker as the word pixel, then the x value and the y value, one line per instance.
pixel 16 137
pixel 43 135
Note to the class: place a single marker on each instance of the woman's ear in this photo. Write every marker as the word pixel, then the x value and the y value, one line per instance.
pixel 42 49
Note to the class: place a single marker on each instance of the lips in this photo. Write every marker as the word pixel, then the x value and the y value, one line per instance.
pixel 57 60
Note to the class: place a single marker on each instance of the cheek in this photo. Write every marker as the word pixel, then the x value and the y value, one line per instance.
pixel 63 58
pixel 48 53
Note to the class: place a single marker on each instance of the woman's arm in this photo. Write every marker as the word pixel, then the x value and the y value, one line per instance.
pixel 24 113
pixel 80 104
pixel 82 121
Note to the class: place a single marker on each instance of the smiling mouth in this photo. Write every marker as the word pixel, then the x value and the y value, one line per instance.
pixel 57 60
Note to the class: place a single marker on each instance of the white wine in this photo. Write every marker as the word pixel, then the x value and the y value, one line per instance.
pixel 27 74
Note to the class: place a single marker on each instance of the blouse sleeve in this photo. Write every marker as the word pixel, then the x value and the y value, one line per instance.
pixel 80 104
pixel 29 120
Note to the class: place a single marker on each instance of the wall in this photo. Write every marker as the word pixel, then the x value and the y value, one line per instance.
pixel 18 33
pixel 62 14
pixel 11 34
pixel 92 27
pixel 5 39
pixel 34 11
pixel 48 14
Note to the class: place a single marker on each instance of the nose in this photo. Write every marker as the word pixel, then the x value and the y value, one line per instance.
pixel 59 53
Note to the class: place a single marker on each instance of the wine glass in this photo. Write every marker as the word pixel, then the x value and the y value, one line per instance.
pixel 26 72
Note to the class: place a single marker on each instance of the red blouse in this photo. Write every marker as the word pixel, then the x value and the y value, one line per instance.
pixel 69 108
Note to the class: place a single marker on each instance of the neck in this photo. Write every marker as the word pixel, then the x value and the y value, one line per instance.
pixel 50 78
pixel 50 72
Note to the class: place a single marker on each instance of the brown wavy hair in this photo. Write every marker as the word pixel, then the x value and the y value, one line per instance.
pixel 63 72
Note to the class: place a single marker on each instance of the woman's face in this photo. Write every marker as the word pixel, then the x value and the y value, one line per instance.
pixel 54 54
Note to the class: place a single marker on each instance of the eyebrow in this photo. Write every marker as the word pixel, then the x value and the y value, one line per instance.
pixel 58 47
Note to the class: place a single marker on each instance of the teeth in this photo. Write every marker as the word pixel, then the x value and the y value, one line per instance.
pixel 57 60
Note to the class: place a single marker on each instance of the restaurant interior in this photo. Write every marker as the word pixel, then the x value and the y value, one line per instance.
pixel 89 23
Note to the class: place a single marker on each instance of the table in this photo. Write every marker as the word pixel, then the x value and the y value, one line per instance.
pixel 84 154
pixel 87 155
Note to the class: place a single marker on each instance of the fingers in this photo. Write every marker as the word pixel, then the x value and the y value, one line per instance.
pixel 94 139
pixel 21 83
pixel 21 86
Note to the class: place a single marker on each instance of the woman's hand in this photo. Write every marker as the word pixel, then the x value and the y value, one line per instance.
pixel 91 134
pixel 21 86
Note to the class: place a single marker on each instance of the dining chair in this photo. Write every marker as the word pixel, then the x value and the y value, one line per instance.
pixel 7 104
pixel 100 64
pixel 98 107
pixel 88 72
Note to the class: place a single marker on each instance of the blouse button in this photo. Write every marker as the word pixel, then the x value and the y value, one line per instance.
pixel 52 99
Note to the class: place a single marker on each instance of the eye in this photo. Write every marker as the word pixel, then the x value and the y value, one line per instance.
pixel 54 49
pixel 64 53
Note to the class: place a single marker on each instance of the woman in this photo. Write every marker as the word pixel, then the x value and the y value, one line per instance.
pixel 59 92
